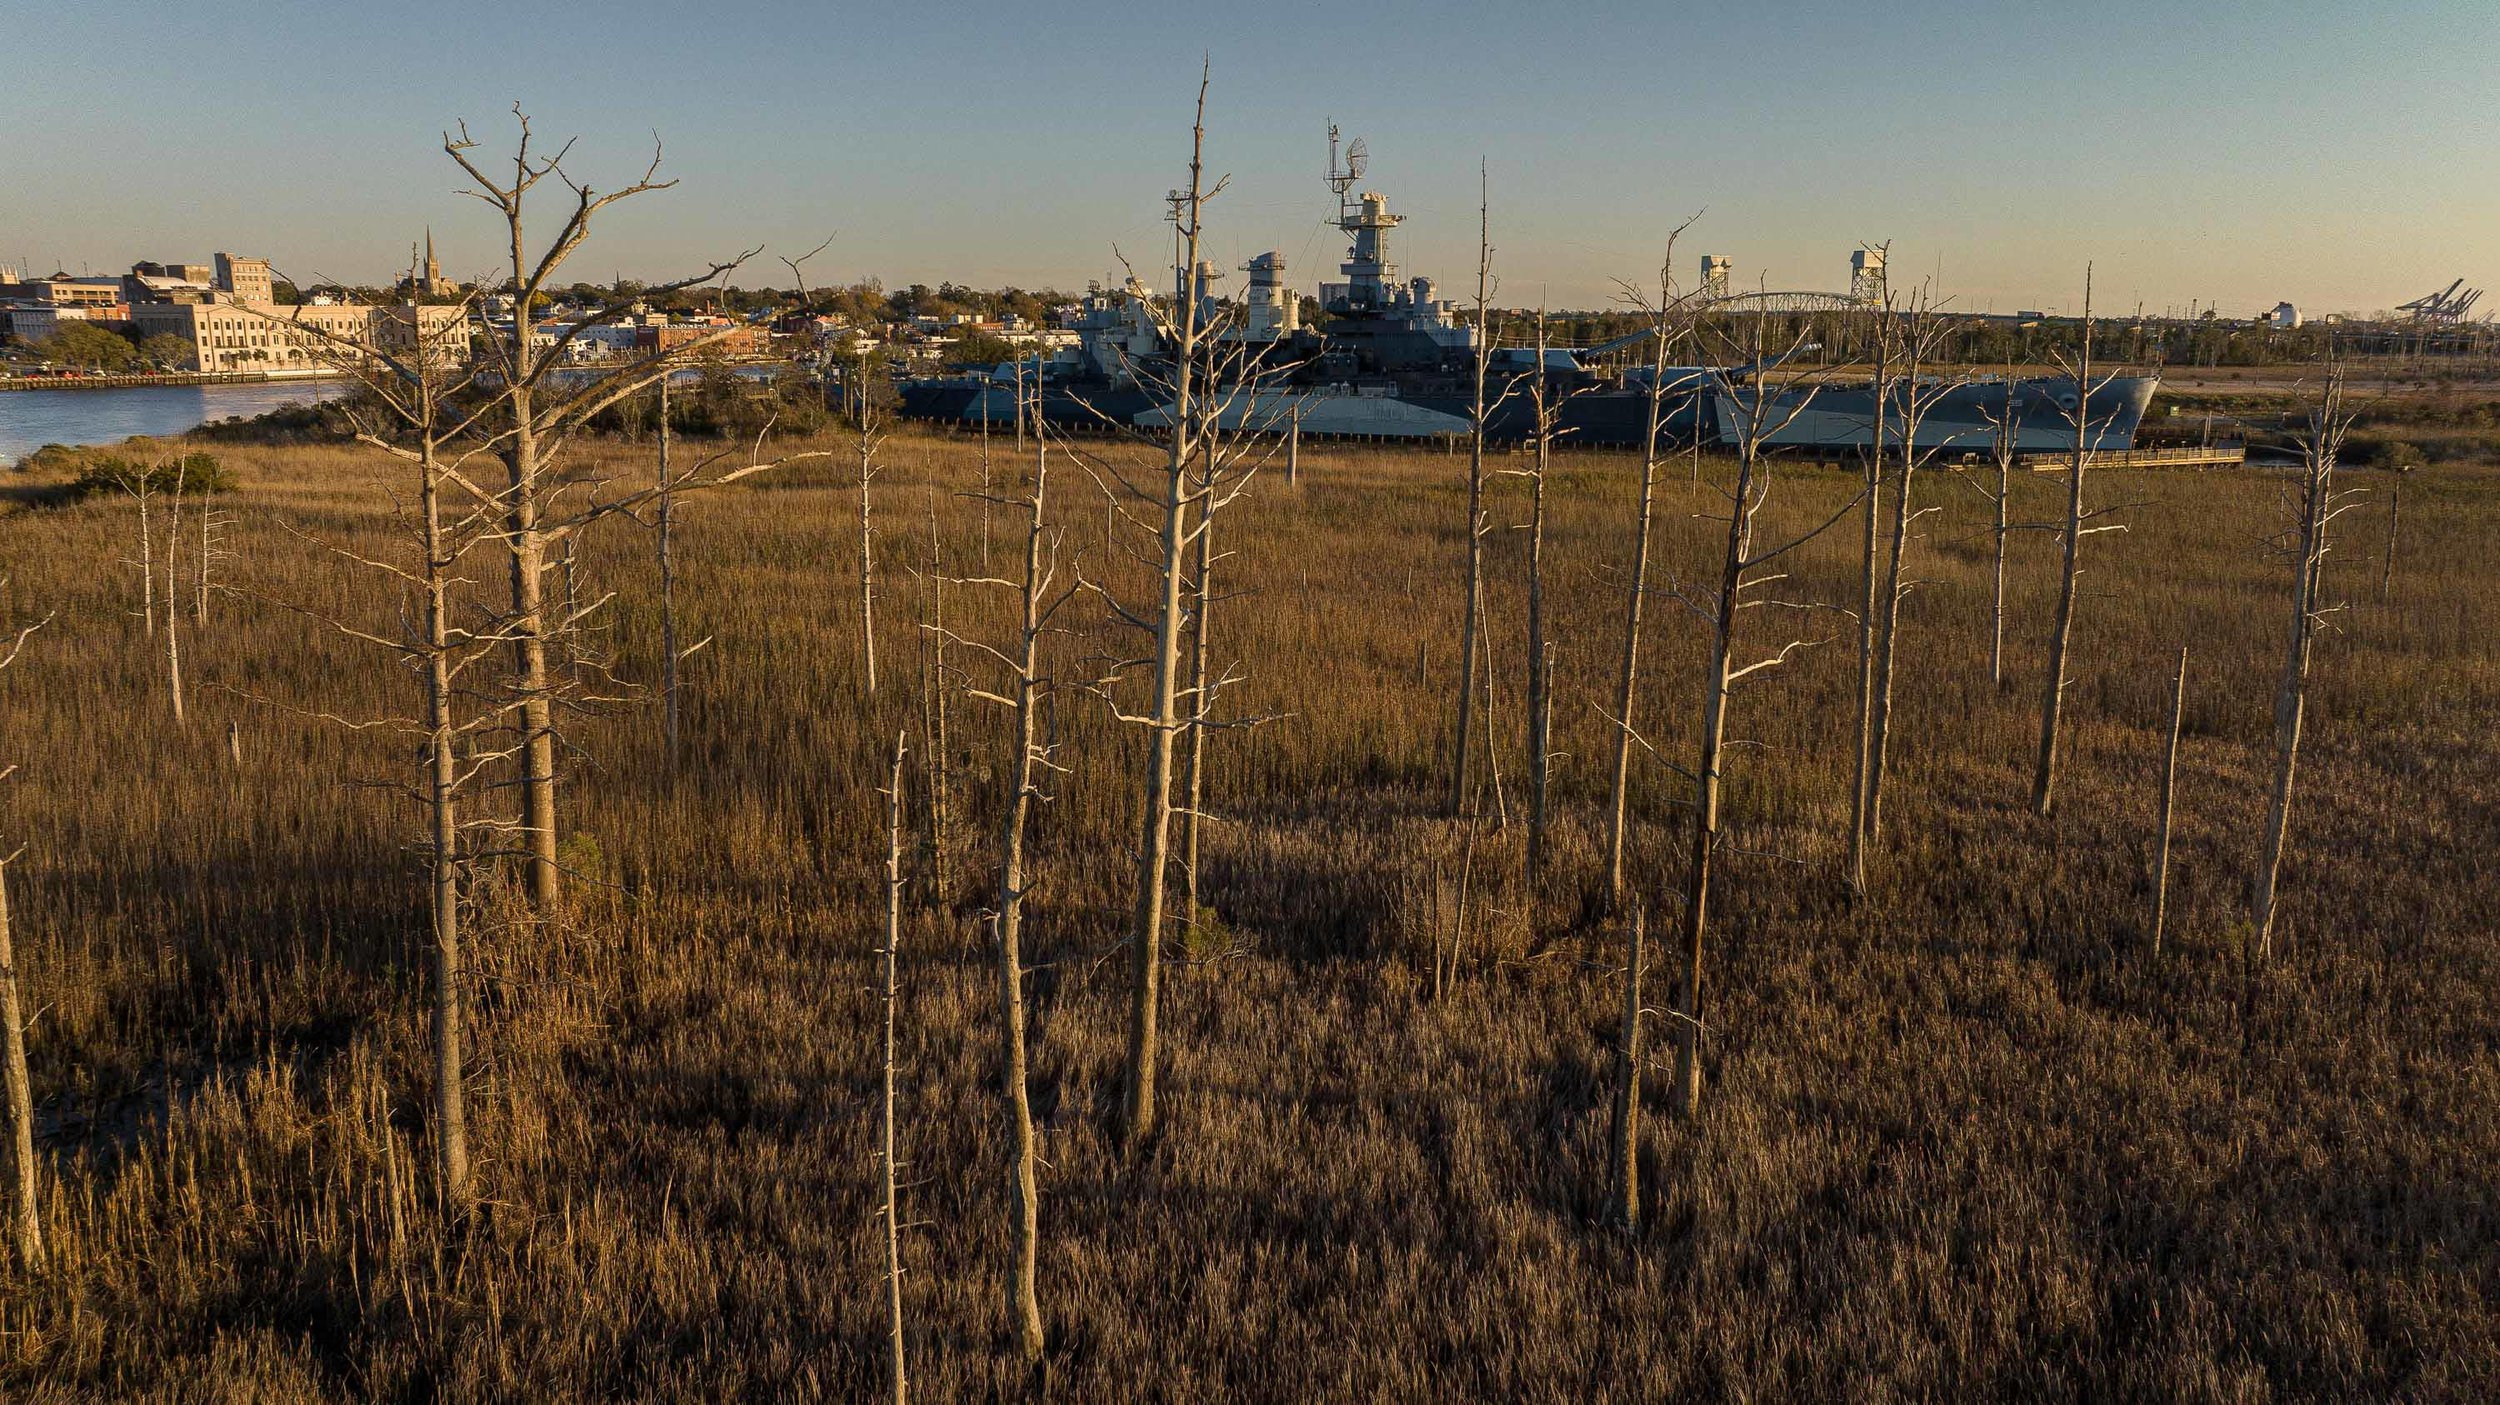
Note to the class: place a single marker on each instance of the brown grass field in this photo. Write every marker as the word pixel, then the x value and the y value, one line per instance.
pixel 1962 1142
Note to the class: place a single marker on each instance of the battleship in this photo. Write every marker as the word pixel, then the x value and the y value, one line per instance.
pixel 1391 359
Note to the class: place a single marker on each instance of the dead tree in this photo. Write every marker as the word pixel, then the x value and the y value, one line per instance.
pixel 211 550
pixel 1760 414
pixel 28 1220
pixel 1211 435
pixel 1880 389
pixel 540 413
pixel 868 399
pixel 2003 447
pixel 2070 544
pixel 1201 693
pixel 2305 542
pixel 867 402
pixel 936 717
pixel 1667 319
pixel 421 408
pixel 2169 792
pixel 665 518
pixel 1028 758
pixel 1623 1183
pixel 1917 336
pixel 2387 571
pixel 139 481
pixel 1169 502
pixel 173 594
pixel 885 1123
pixel 1546 405
pixel 1479 411
pixel 437 409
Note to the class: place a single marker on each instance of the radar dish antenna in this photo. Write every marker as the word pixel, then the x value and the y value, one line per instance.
pixel 1343 175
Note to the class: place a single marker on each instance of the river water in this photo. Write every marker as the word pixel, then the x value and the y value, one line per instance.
pixel 30 419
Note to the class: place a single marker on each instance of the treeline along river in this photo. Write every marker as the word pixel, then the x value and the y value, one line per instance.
pixel 30 419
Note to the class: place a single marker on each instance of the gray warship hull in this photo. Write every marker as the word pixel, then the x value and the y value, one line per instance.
pixel 1827 419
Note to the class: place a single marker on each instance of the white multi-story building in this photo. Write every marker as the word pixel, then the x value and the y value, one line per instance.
pixel 234 335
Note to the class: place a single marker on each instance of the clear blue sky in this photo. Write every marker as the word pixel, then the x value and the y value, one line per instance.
pixel 2336 154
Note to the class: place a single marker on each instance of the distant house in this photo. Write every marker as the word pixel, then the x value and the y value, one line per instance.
pixel 731 339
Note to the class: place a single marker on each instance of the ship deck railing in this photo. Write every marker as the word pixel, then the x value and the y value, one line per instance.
pixel 2232 457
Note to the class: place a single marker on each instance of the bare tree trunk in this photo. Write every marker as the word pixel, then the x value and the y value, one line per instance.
pixel 893 944
pixel 941 875
pixel 1705 835
pixel 1879 750
pixel 529 646
pixel 1293 449
pixel 1627 689
pixel 1467 646
pixel 2169 792
pixel 173 596
pixel 1492 725
pixel 1164 720
pixel 2002 501
pixel 147 556
pixel 199 608
pixel 1540 664
pixel 669 653
pixel 1861 825
pixel 1203 596
pixel 20 1091
pixel 536 433
pixel 2387 572
pixel 2317 510
pixel 1918 331
pixel 1023 1299
pixel 451 1141
pixel 867 555
pixel 1625 1182
pixel 985 458
pixel 1697 884
pixel 2061 635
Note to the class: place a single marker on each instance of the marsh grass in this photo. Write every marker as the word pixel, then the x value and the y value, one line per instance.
pixel 1963 1142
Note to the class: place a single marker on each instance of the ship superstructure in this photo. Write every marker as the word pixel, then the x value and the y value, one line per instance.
pixel 1390 359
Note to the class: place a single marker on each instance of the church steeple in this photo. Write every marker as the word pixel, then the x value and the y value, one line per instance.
pixel 430 281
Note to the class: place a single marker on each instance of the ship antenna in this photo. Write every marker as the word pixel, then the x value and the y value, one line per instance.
pixel 1176 214
pixel 1341 178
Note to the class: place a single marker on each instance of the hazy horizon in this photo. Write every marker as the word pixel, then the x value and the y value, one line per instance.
pixel 2236 156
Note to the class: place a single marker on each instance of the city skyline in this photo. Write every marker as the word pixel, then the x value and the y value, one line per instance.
pixel 2238 156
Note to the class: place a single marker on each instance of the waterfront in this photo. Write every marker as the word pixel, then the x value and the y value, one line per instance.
pixel 30 419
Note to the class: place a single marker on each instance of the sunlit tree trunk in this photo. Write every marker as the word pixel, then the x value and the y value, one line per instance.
pixel 29 1215
pixel 2061 634
pixel 1540 652
pixel 897 1374
pixel 1473 614
pixel 2169 793
pixel 1023 1294
pixel 1164 718
pixel 1624 1185
pixel 2309 540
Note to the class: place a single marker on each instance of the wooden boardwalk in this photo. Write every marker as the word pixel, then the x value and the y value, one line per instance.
pixel 126 382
